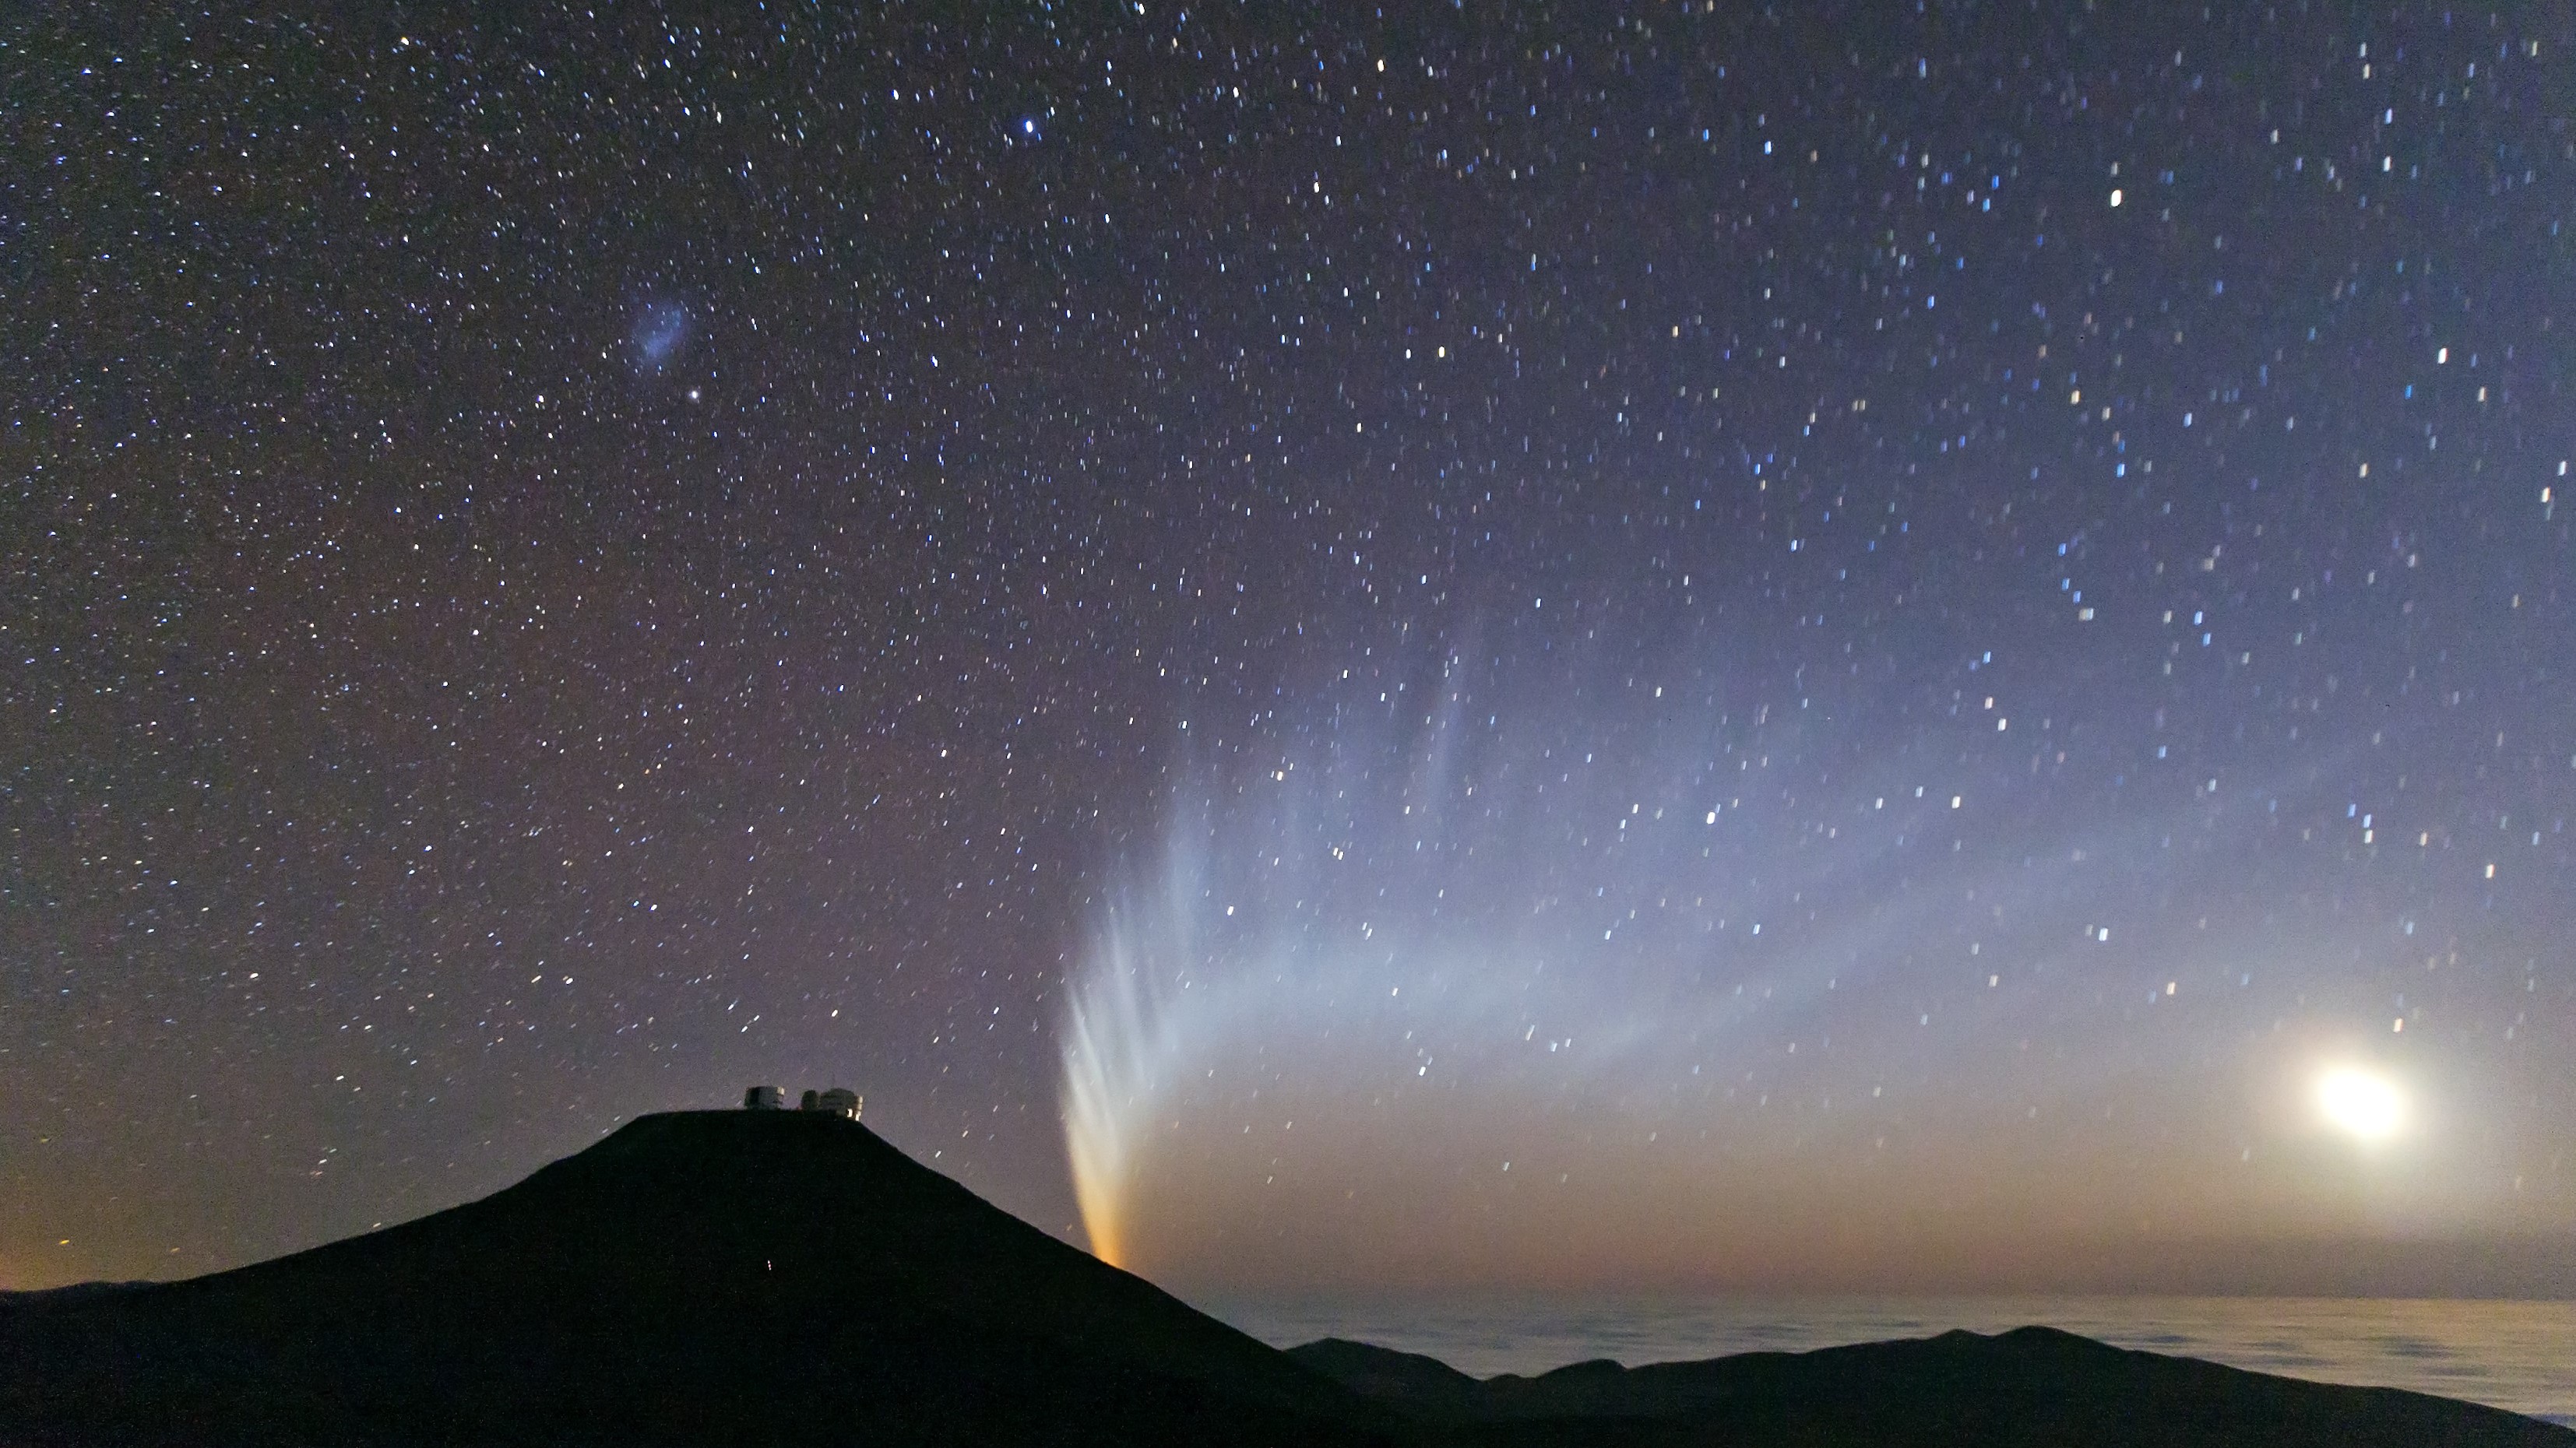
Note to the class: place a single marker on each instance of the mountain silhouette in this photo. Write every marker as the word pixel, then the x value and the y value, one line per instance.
pixel 2026 1388
pixel 760 1277
pixel 699 1278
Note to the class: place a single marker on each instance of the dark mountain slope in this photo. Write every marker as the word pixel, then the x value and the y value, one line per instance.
pixel 2032 1386
pixel 743 1278
pixel 700 1278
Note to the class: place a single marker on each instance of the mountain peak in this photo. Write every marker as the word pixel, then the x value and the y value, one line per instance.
pixel 694 1277
pixel 760 1277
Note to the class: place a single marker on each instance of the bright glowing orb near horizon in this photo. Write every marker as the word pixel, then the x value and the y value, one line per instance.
pixel 2361 1104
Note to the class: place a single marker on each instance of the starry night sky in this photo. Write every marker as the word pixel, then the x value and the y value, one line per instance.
pixel 1856 637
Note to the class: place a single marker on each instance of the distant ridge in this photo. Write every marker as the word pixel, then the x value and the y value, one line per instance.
pixel 742 1278
pixel 2031 1386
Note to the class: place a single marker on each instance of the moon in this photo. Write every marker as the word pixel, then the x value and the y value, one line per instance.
pixel 2361 1104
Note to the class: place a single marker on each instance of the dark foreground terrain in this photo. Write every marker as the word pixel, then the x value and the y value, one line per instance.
pixel 714 1278
pixel 2031 1386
